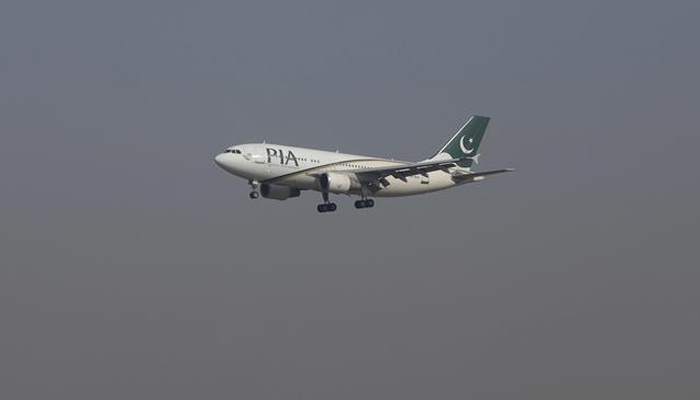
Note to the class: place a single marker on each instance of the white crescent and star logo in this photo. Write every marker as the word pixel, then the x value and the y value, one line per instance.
pixel 464 149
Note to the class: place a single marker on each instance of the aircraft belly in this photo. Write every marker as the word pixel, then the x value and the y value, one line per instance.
pixel 416 184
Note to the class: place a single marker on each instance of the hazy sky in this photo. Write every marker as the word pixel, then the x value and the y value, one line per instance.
pixel 132 267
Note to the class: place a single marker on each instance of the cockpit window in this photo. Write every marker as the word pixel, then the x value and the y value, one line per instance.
pixel 233 151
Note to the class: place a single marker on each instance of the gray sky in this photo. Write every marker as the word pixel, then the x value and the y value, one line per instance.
pixel 132 267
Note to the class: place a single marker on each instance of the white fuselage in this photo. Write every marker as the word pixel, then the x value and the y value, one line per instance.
pixel 295 167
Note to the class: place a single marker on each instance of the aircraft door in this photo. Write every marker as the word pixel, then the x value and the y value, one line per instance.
pixel 256 154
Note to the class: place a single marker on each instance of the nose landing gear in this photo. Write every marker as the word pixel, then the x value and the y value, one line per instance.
pixel 254 189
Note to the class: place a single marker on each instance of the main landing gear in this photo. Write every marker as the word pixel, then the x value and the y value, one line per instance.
pixel 254 189
pixel 364 203
pixel 327 206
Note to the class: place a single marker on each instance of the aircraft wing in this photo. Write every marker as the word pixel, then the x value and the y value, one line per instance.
pixel 403 171
pixel 375 178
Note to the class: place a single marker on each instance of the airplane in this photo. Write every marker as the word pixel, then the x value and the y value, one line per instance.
pixel 281 172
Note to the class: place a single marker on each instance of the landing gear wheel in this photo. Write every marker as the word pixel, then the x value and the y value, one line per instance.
pixel 327 207
pixel 364 203
pixel 254 195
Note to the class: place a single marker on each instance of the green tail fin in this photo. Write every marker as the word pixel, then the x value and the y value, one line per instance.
pixel 465 143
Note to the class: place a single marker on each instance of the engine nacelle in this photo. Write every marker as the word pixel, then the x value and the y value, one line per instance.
pixel 278 192
pixel 338 183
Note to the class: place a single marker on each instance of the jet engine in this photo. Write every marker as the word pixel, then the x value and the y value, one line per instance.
pixel 338 183
pixel 278 192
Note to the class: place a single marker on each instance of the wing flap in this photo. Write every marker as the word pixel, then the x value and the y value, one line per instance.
pixel 477 176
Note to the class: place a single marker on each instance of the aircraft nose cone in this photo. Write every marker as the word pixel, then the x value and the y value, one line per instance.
pixel 219 160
